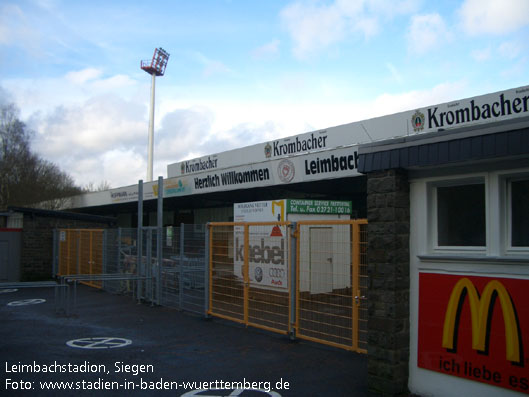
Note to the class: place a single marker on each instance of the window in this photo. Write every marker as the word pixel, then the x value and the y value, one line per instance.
pixel 461 215
pixel 485 213
pixel 519 202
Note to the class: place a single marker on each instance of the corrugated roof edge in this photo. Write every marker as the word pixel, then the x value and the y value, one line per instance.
pixel 503 138
pixel 64 215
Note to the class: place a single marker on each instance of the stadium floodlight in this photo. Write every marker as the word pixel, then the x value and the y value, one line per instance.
pixel 155 67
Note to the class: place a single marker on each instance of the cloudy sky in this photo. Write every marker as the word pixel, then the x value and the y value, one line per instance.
pixel 240 71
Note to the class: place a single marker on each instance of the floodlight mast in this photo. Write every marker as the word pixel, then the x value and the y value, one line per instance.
pixel 155 67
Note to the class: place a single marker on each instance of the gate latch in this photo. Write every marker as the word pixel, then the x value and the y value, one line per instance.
pixel 357 299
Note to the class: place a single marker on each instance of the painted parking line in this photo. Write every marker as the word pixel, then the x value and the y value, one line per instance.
pixel 8 290
pixel 99 343
pixel 230 393
pixel 26 302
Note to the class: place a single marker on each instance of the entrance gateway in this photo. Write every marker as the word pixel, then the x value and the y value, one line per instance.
pixel 467 140
pixel 292 266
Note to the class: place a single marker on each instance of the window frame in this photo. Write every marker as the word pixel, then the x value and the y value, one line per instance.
pixel 433 229
pixel 506 181
pixel 498 217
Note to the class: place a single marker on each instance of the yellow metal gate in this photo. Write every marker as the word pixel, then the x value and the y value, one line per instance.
pixel 310 281
pixel 81 252
pixel 331 283
pixel 248 274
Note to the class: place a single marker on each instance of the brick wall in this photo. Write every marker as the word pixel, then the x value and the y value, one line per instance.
pixel 388 211
pixel 36 259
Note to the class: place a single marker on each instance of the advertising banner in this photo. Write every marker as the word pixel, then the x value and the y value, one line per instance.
pixel 319 207
pixel 171 187
pixel 328 164
pixel 268 244
pixel 475 328
pixel 481 109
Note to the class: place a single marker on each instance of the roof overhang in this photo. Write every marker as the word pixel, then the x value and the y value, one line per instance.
pixel 506 138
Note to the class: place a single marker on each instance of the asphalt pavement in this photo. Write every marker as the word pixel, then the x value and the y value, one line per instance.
pixel 113 346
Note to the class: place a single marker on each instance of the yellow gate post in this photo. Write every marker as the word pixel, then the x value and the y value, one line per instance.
pixel 246 273
pixel 355 290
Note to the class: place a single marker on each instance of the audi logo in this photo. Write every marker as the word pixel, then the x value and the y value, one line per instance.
pixel 276 272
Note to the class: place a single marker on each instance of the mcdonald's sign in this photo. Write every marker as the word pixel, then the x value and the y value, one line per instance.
pixel 475 328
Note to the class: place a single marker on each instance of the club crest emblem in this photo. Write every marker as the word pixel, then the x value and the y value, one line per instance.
pixel 417 121
pixel 286 171
pixel 268 151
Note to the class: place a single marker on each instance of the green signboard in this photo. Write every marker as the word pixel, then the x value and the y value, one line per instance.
pixel 319 207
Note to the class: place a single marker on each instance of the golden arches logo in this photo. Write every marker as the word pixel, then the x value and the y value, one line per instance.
pixel 480 311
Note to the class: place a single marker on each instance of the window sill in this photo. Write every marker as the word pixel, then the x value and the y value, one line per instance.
pixel 509 260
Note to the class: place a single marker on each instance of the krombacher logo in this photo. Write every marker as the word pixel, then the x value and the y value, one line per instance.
pixel 296 145
pixel 198 165
pixel 501 107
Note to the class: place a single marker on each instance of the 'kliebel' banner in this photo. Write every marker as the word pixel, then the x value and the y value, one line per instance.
pixel 475 328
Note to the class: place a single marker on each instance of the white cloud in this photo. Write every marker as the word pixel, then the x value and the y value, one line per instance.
pixel 44 95
pixel 392 8
pixel 314 26
pixel 266 51
pixel 510 49
pixel 16 30
pixel 182 131
pixel 82 76
pixel 114 83
pixel 105 137
pixel 482 55
pixel 78 137
pixel 408 100
pixel 212 67
pixel 517 70
pixel 122 167
pixel 395 74
pixel 100 136
pixel 493 16
pixel 427 32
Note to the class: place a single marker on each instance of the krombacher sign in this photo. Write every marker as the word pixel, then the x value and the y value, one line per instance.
pixel 455 113
pixel 198 165
pixel 296 145
pixel 478 110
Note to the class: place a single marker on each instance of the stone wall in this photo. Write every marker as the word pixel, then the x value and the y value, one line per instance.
pixel 388 208
pixel 36 259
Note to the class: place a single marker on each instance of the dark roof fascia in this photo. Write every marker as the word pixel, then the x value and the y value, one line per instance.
pixel 443 147
pixel 444 135
pixel 63 215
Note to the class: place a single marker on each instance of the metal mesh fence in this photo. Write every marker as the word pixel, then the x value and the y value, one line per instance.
pixel 243 272
pixel 269 274
pixel 81 252
pixel 171 259
pixel 226 298
pixel 183 268
pixel 331 280
pixel 362 285
pixel 121 259
pixel 249 274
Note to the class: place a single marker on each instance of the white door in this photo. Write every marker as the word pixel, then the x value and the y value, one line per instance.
pixel 321 260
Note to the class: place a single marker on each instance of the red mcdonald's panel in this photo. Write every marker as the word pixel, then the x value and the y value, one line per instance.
pixel 475 328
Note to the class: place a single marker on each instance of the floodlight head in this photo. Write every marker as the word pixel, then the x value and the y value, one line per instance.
pixel 158 62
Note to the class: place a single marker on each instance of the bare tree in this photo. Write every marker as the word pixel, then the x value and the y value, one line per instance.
pixel 25 178
pixel 101 187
